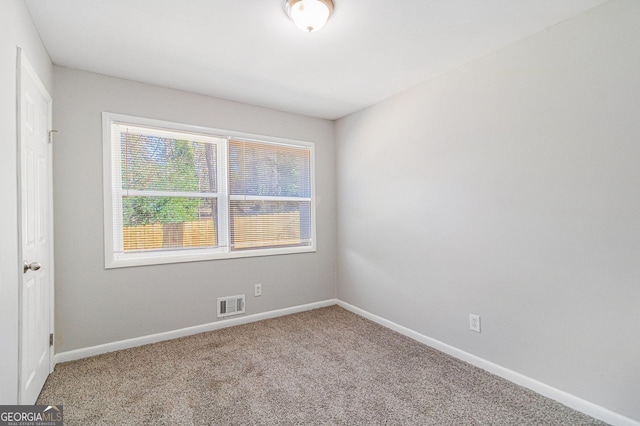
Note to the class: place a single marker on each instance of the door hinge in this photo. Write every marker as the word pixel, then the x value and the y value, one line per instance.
pixel 51 133
pixel 51 339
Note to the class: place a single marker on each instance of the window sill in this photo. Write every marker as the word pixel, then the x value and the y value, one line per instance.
pixel 162 258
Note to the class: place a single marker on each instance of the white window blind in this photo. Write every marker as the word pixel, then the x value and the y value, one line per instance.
pixel 270 195
pixel 166 189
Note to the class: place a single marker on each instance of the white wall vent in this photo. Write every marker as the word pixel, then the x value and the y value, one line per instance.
pixel 232 305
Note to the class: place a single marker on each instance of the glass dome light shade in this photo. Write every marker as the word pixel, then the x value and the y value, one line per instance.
pixel 309 15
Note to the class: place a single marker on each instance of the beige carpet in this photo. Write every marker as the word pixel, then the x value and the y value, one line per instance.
pixel 326 366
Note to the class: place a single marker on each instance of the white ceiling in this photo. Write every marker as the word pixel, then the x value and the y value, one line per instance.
pixel 249 51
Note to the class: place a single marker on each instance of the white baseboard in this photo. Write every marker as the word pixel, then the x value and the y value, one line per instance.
pixel 562 397
pixel 168 335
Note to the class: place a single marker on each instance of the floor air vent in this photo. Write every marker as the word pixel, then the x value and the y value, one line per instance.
pixel 232 305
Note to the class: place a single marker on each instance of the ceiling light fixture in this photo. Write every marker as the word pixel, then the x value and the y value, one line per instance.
pixel 309 15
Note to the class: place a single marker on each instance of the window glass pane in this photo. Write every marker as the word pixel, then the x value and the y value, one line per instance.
pixel 155 223
pixel 155 163
pixel 261 224
pixel 262 169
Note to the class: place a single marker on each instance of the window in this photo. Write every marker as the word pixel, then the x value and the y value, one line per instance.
pixel 179 193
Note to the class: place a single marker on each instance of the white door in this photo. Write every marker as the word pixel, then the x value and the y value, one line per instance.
pixel 34 116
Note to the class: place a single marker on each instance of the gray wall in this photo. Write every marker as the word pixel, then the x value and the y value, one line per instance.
pixel 94 305
pixel 509 188
pixel 16 29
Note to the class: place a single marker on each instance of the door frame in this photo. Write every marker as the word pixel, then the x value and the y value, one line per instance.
pixel 23 64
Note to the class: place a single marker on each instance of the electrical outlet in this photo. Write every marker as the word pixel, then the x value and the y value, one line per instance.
pixel 474 322
pixel 257 290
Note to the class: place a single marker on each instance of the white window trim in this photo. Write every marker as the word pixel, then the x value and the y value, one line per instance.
pixel 121 260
